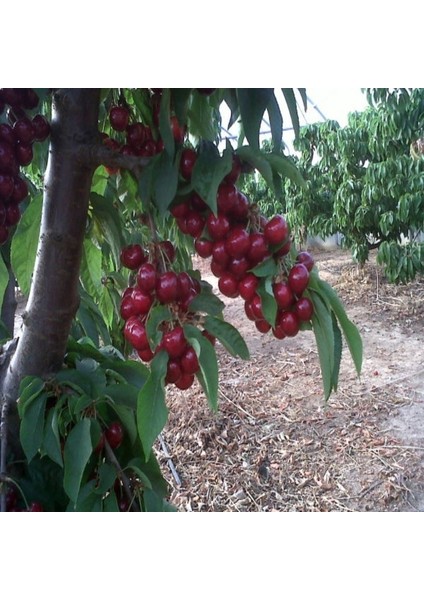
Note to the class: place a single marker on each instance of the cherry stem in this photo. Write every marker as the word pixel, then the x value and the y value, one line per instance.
pixel 125 481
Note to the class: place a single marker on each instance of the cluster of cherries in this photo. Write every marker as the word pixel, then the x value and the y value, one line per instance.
pixel 139 139
pixel 237 239
pixel 155 283
pixel 18 132
pixel 13 504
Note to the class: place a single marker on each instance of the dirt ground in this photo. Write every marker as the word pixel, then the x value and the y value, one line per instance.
pixel 274 446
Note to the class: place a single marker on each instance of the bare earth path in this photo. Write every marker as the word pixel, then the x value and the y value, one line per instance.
pixel 273 446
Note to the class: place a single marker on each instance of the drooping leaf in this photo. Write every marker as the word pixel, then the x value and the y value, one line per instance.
pixel 152 412
pixel 106 216
pixel 51 440
pixel 292 106
pixel 276 122
pixel 337 352
pixel 228 335
pixel 266 268
pixel 253 103
pixel 207 302
pixel 209 171
pixel 77 451
pixel 157 315
pixel 268 302
pixel 322 326
pixel 208 363
pixel 165 178
pixel 165 123
pixel 29 388
pixel 25 242
pixel 32 426
pixel 91 268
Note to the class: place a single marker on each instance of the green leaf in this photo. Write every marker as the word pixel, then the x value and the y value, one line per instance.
pixel 134 372
pixel 259 160
pixel 253 103
pixel 110 503
pixel 337 352
pixel 152 412
pixel 165 178
pixel 228 335
pixel 180 102
pixel 350 331
pixel 77 451
pixel 203 119
pixel 4 280
pixel 292 106
pixel 126 416
pixel 268 302
pixel 286 167
pixel 276 122
pixel 29 388
pixel 25 243
pixel 138 466
pixel 266 268
pixel 32 426
pixel 91 272
pixel 209 171
pixel 230 98
pixel 106 216
pixel 208 363
pixel 165 123
pixel 157 315
pixel 51 441
pixel 207 302
pixel 323 330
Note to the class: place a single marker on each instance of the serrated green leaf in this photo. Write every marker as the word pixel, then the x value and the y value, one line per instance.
pixel 25 242
pixel 208 376
pixel 32 426
pixel 253 103
pixel 77 451
pixel 228 335
pixel 152 412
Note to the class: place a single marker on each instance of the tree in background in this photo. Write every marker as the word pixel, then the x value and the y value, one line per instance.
pixel 366 182
pixel 105 197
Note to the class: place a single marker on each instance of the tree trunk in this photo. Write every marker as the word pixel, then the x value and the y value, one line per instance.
pixel 54 299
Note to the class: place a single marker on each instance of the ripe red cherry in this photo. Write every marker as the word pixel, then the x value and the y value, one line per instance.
pixel 20 190
pixel 298 278
pixel 240 210
pixel 136 135
pixel 184 286
pixel 217 268
pixel 41 128
pixel 226 198
pixel 135 333
pixel 119 117
pixel 218 226
pixel 185 381
pixel 145 355
pixel 237 242
pixel 167 249
pixel 285 249
pixel 256 306
pixel 167 287
pixel 4 234
pixel 180 210
pixel 174 342
pixel 262 325
pixel 187 162
pixel 258 248
pixel 238 267
pixel 24 131
pixel 7 158
pixel 29 98
pixel 177 130
pixel 283 294
pixel 114 434
pixel 197 203
pixel 6 134
pixel 276 230
pixel 247 286
pixel 6 186
pixel 132 256
pixel 189 361
pixel 23 154
pixel 146 277
pixel 228 285
pixel 13 214
pixel 305 259
pixel 304 309
pixel 194 223
pixel 35 507
pixel 278 332
pixel 173 370
pixel 248 310
pixel 142 301
pixel 203 247
pixel 289 323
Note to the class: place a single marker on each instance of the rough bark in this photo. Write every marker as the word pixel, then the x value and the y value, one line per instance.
pixel 53 300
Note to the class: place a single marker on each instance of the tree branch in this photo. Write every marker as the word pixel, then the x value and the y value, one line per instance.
pixel 99 154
